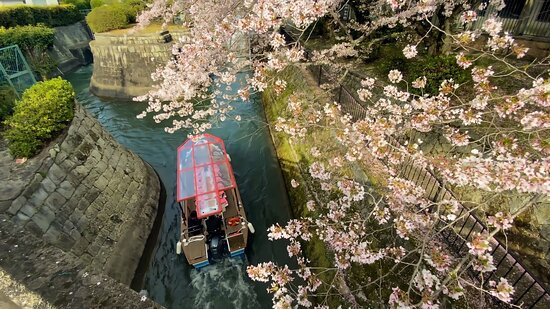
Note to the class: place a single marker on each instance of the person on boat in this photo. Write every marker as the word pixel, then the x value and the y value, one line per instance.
pixel 195 224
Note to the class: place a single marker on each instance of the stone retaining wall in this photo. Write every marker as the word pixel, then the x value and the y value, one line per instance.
pixel 123 64
pixel 86 195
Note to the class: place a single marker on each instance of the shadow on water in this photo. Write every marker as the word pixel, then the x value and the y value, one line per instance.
pixel 168 279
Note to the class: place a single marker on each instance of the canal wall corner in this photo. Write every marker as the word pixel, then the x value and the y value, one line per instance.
pixel 71 48
pixel 123 64
pixel 75 218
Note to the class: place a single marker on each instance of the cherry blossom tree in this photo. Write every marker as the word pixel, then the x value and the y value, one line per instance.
pixel 497 139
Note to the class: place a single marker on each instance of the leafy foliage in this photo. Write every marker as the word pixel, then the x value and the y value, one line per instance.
pixel 437 69
pixel 41 62
pixel 44 110
pixel 132 8
pixel 80 4
pixel 107 18
pixel 27 37
pixel 33 40
pixel 7 101
pixel 97 3
pixel 51 16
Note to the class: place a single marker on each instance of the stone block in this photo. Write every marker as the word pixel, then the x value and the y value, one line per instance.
pixel 75 216
pixel 68 226
pixel 21 218
pixel 94 247
pixel 92 176
pixel 81 171
pixel 34 228
pixel 83 204
pixel 56 174
pixel 81 244
pixel 101 182
pixel 57 237
pixel 28 210
pixel 100 142
pixel 95 154
pixel 74 178
pixel 66 189
pixel 91 195
pixel 39 197
pixel 55 201
pixel 79 192
pixel 68 164
pixel 33 185
pixel 48 185
pixel 82 223
pixel 17 204
pixel 94 135
pixel 101 166
pixel 82 153
pixel 61 156
pixel 43 219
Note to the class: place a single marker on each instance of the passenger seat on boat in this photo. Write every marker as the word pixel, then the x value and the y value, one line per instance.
pixel 194 224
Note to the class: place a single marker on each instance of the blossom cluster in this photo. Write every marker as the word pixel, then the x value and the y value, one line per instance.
pixel 494 140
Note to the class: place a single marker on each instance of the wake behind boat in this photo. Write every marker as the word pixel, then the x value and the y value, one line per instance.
pixel 213 219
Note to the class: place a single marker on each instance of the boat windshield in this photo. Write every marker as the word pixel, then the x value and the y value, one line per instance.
pixel 204 173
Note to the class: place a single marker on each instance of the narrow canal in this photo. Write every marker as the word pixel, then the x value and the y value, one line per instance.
pixel 168 279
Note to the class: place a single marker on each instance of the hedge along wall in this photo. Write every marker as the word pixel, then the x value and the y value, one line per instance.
pixel 51 16
pixel 27 37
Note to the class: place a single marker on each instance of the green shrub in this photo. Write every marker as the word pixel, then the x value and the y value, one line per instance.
pixel 436 69
pixel 80 4
pixel 51 16
pixel 390 58
pixel 27 37
pixel 41 63
pixel 107 18
pixel 63 15
pixel 96 3
pixel 44 109
pixel 7 101
pixel 133 8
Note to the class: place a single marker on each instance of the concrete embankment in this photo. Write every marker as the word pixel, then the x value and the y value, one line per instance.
pixel 75 218
pixel 71 48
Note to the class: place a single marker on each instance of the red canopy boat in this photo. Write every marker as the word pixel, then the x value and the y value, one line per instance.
pixel 213 217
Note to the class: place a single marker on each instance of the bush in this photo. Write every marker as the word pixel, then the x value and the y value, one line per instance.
pixel 132 8
pixel 96 3
pixel 44 110
pixel 80 4
pixel 7 101
pixel 51 16
pixel 27 37
pixel 107 18
pixel 436 69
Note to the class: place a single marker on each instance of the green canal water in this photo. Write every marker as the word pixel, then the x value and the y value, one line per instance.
pixel 168 279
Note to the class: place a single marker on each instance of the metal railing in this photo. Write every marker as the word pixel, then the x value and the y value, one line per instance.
pixel 529 291
pixel 525 18
pixel 14 69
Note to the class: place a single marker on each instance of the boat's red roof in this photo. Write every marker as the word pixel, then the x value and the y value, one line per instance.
pixel 203 173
